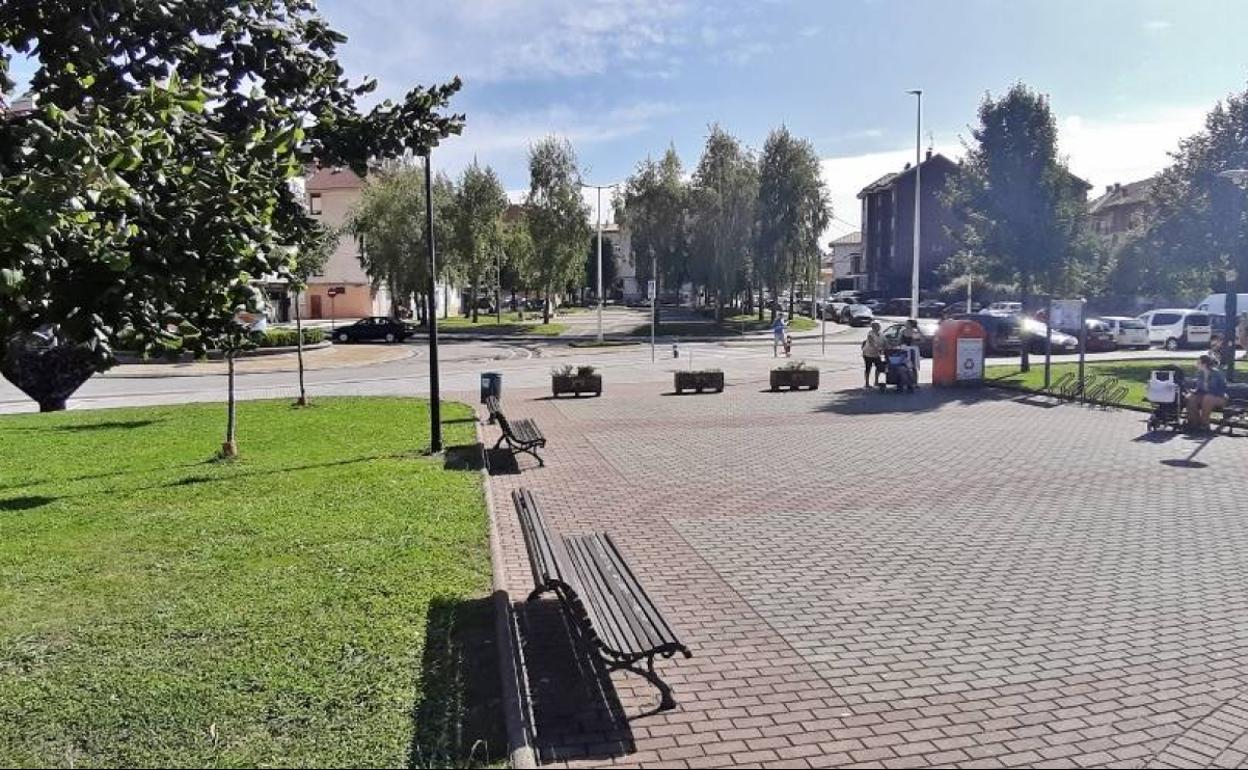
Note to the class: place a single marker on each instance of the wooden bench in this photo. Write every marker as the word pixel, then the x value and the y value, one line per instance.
pixel 520 435
pixel 608 609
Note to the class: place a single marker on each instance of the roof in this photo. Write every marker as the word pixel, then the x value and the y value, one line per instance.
pixel 890 179
pixel 1129 194
pixel 848 239
pixel 334 179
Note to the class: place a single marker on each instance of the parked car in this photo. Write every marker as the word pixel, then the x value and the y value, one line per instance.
pixel 1099 337
pixel 1004 332
pixel 1008 308
pixel 855 314
pixel 373 329
pixel 927 335
pixel 1128 332
pixel 1061 341
pixel 931 308
pixel 897 306
pixel 1174 328
pixel 836 304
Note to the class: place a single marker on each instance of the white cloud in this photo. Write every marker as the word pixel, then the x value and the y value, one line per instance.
pixel 1102 150
pixel 1156 25
pixel 504 40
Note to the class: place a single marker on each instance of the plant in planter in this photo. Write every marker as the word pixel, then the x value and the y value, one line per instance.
pixel 794 376
pixel 575 380
pixel 700 380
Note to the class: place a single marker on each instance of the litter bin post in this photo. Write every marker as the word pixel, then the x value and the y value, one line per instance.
pixel 491 385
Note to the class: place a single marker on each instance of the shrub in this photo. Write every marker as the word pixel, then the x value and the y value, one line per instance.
pixel 585 371
pixel 798 365
pixel 286 338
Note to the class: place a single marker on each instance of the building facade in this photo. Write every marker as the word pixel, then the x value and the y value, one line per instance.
pixel 1123 208
pixel 342 289
pixel 843 264
pixel 888 227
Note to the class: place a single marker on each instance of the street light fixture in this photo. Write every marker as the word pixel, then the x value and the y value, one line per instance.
pixel 918 189
pixel 600 188
pixel 1240 177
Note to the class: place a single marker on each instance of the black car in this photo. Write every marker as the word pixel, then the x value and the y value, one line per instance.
pixel 927 334
pixel 1004 332
pixel 373 329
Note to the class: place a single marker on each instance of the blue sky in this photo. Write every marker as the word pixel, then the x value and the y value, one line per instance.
pixel 624 78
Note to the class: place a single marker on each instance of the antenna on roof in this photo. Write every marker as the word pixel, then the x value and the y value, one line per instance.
pixel 931 141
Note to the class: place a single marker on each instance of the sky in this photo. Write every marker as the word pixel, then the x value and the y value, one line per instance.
pixel 623 79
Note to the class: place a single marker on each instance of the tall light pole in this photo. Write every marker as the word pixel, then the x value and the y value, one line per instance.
pixel 918 190
pixel 435 406
pixel 600 188
pixel 1240 177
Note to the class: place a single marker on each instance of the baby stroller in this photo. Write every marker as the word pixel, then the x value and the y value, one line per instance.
pixel 897 370
pixel 1165 394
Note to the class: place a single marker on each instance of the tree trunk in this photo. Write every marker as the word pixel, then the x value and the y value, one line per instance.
pixel 303 393
pixel 1024 362
pixel 546 308
pixel 761 301
pixel 230 448
pixel 792 289
pixel 476 287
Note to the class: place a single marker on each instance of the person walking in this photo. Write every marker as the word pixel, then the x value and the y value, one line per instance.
pixel 778 334
pixel 872 354
pixel 1209 394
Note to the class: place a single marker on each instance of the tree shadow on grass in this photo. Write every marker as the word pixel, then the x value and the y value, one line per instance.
pixel 25 503
pixel 114 424
pixel 465 457
pixel 457 718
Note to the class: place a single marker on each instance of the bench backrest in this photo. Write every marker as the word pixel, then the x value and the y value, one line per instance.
pixel 546 552
pixel 496 411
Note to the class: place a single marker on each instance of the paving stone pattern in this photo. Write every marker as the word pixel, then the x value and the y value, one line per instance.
pixel 875 580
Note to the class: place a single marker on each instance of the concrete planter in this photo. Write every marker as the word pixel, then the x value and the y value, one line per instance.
pixel 794 379
pixel 700 381
pixel 571 383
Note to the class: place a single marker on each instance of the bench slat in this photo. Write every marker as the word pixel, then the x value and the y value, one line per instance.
pixel 608 613
pixel 633 586
pixel 543 549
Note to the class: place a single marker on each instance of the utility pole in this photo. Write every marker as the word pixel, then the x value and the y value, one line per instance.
pixel 1231 309
pixel 435 406
pixel 918 190
pixel 600 188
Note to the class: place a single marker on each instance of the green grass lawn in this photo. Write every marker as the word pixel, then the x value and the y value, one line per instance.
pixel 510 325
pixel 1133 374
pixel 321 601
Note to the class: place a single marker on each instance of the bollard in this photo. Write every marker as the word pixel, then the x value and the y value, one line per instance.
pixel 675 350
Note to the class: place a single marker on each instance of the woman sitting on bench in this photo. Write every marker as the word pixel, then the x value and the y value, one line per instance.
pixel 1208 394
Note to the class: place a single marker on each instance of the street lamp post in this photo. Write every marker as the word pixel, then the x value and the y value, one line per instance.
pixel 918 189
pixel 435 406
pixel 1240 177
pixel 600 188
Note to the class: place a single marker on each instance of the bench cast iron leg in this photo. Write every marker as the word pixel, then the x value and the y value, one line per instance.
pixel 666 702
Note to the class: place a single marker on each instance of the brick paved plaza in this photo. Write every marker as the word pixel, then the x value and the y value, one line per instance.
pixel 870 580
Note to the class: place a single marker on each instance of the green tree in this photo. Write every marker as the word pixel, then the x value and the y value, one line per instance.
pixel 1019 205
pixel 608 265
pixel 723 211
pixel 655 206
pixel 519 257
pixel 557 217
pixel 793 212
pixel 150 183
pixel 477 215
pixel 1200 227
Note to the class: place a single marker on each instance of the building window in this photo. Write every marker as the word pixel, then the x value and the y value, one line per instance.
pixel 314 203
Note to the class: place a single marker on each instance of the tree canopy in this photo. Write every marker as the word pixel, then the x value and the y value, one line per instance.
pixel 557 217
pixel 654 206
pixel 723 202
pixel 793 211
pixel 151 180
pixel 477 216
pixel 1018 204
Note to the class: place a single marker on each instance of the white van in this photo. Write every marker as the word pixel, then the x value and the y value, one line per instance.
pixel 1215 304
pixel 1174 328
pixel 1128 332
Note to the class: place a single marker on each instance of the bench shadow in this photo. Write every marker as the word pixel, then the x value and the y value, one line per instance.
pixel 574 709
pixel 501 462
pixel 457 719
pixel 465 457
